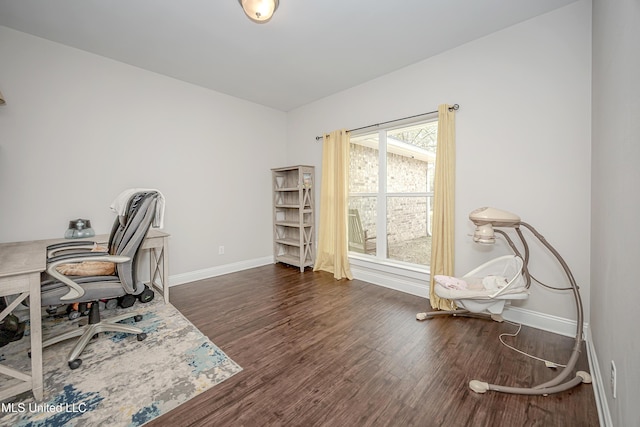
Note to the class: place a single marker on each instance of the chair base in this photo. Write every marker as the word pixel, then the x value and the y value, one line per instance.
pixel 95 326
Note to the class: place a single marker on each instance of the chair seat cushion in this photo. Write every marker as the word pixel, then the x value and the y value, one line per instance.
pixel 96 287
pixel 87 268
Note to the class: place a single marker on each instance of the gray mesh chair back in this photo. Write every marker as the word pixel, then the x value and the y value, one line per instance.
pixel 127 236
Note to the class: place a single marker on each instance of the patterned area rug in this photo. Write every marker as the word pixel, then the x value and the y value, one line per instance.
pixel 122 381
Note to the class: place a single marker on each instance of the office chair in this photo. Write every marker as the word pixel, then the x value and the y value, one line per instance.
pixel 125 240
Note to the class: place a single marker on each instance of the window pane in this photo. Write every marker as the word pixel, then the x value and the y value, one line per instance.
pixel 363 172
pixel 408 229
pixel 406 174
pixel 362 225
pixel 410 158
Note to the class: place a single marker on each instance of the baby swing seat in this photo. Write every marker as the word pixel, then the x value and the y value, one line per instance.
pixel 487 288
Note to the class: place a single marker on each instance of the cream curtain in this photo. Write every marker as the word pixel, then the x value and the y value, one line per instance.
pixel 334 192
pixel 442 228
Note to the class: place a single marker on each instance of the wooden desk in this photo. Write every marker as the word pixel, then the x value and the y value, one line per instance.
pixel 20 266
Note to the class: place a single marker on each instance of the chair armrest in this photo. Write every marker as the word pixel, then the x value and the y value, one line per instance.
pixel 367 237
pixel 71 244
pixel 75 290
pixel 67 246
pixel 79 256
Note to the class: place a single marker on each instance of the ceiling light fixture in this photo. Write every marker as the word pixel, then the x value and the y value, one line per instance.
pixel 259 11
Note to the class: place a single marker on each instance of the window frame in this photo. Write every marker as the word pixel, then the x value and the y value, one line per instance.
pixel 382 197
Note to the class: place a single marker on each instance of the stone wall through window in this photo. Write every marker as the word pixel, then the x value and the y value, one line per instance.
pixel 407 215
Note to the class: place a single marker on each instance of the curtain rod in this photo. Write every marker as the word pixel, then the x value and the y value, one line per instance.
pixel 452 108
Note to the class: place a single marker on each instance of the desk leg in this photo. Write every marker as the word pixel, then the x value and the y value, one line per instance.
pixel 165 269
pixel 35 316
pixel 159 269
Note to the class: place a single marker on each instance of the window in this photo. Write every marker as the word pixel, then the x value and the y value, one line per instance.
pixel 391 193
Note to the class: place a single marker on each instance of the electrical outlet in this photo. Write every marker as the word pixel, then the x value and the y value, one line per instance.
pixel 613 379
pixel 220 250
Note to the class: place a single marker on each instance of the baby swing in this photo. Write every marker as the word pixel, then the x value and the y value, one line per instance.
pixel 487 289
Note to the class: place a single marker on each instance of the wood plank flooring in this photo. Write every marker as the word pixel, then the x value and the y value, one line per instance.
pixel 316 352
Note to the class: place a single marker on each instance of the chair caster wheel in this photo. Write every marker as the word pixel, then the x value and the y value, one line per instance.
pixel 137 318
pixel 75 364
pixel 146 295
pixel 142 336
pixel 127 301
pixel 111 304
pixel 73 315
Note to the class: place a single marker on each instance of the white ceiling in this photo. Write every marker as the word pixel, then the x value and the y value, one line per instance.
pixel 309 50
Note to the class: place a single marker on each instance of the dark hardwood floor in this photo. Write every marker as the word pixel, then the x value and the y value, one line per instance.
pixel 318 352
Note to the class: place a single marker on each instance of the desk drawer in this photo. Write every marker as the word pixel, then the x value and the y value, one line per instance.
pixel 14 285
pixel 152 243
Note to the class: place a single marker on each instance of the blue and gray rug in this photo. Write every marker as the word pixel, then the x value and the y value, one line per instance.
pixel 122 381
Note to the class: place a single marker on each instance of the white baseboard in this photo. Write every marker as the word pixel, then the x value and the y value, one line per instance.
pixel 410 281
pixel 546 322
pixel 398 283
pixel 180 279
pixel 598 385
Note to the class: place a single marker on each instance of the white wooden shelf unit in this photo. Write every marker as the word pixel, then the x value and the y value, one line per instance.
pixel 293 216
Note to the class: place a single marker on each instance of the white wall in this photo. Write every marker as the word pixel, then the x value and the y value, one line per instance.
pixel 523 134
pixel 615 247
pixel 79 128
